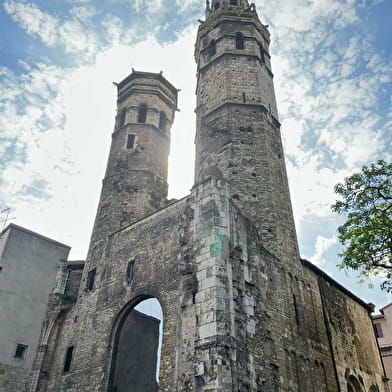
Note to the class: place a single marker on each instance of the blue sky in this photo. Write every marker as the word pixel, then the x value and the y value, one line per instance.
pixel 332 61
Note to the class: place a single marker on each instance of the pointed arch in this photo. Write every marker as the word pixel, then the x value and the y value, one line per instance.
pixel 137 337
pixel 361 357
pixel 353 385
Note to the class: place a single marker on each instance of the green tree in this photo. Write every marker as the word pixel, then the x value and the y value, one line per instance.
pixel 366 236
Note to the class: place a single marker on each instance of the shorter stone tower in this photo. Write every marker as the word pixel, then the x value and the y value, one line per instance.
pixel 135 183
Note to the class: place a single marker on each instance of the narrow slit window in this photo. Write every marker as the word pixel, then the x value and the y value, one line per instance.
pixel 162 122
pixel 262 54
pixel 68 359
pixel 142 114
pixel 296 310
pixel 130 271
pixel 131 142
pixel 91 279
pixel 21 351
pixel 239 41
pixel 243 97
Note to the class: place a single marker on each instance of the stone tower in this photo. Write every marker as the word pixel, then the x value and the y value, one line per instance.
pixel 135 183
pixel 238 132
pixel 241 311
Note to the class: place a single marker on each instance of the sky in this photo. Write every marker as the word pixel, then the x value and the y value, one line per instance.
pixel 332 63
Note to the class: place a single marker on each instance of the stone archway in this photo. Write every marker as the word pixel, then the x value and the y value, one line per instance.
pixel 136 349
pixel 353 385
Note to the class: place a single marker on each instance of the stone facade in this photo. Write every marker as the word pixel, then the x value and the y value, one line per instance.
pixel 241 311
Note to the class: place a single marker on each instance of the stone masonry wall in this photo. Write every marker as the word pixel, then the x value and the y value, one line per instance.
pixel 161 270
pixel 349 328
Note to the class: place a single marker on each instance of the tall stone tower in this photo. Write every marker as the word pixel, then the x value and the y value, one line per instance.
pixel 135 182
pixel 238 132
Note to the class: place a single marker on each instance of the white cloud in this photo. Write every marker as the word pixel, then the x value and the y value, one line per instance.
pixel 151 6
pixel 84 14
pixel 322 245
pixel 69 34
pixel 78 1
pixel 303 15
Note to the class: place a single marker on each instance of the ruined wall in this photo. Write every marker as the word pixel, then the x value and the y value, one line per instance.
pixel 235 317
pixel 158 247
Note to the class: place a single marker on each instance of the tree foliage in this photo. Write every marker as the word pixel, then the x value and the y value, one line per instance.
pixel 366 236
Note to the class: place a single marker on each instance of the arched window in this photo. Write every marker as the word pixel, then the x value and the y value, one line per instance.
pixel 142 114
pixel 361 357
pixel 216 6
pixel 136 350
pixel 353 385
pixel 162 122
pixel 239 41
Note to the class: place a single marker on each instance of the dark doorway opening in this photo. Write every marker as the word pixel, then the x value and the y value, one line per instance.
pixel 136 351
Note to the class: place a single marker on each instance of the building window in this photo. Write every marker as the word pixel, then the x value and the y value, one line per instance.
pixel 91 279
pixel 130 271
pixel 296 310
pixel 378 329
pixel 130 141
pixel 162 122
pixel 239 41
pixel 211 50
pixel 121 119
pixel 217 5
pixel 68 359
pixel 262 54
pixel 21 351
pixel 142 114
pixel 233 2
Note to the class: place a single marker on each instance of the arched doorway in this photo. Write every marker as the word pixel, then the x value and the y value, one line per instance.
pixel 136 350
pixel 353 385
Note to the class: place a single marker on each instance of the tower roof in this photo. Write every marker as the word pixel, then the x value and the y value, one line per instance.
pixel 150 75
